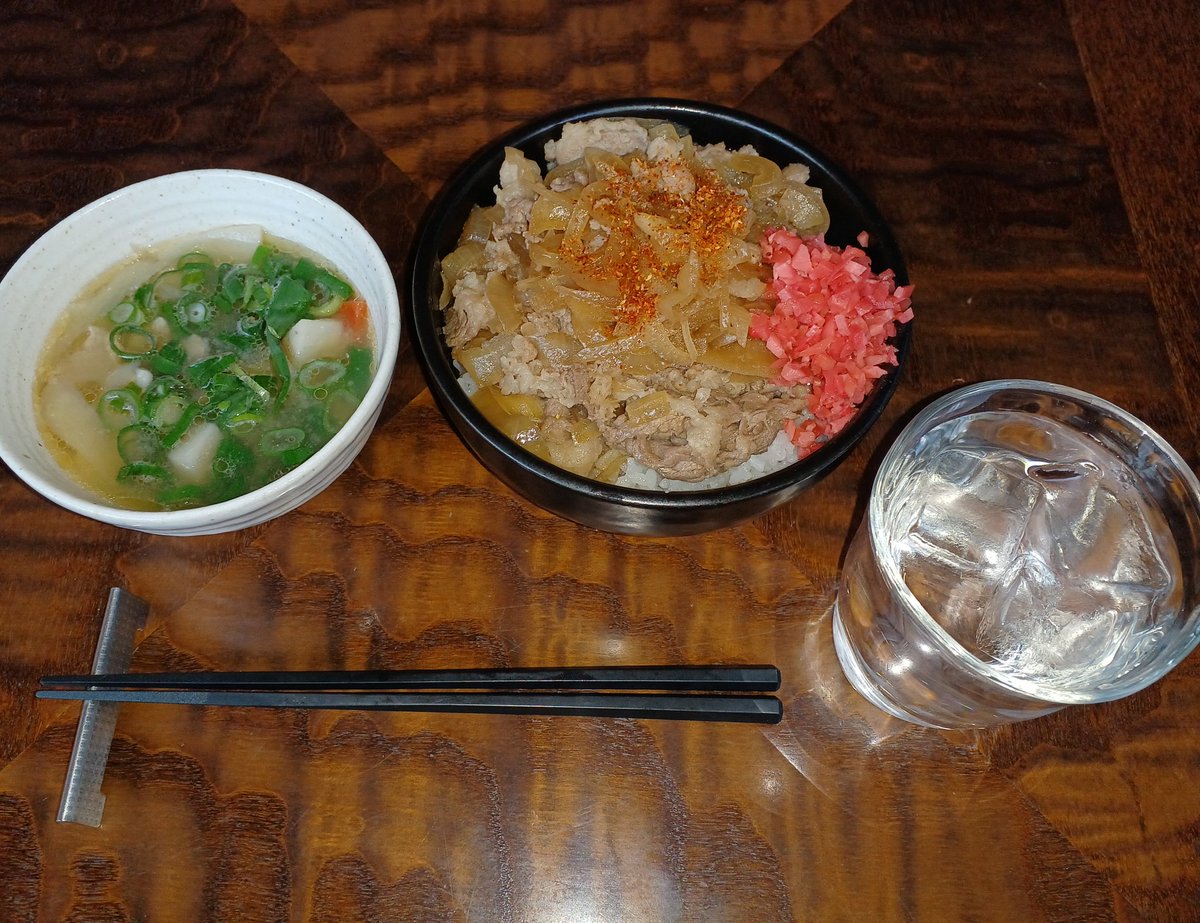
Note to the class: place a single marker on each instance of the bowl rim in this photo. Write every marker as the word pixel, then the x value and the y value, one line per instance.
pixel 430 348
pixel 238 508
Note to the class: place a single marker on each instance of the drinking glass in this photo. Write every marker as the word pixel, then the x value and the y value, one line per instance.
pixel 1026 546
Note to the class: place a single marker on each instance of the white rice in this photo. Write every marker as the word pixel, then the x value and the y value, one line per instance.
pixel 466 382
pixel 779 454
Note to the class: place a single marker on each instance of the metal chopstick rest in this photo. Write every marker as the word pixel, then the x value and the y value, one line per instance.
pixel 82 800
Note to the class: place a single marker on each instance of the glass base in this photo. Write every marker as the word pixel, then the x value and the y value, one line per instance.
pixel 856 673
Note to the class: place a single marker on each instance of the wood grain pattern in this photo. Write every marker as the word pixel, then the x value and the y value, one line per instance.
pixel 1157 168
pixel 430 81
pixel 1008 161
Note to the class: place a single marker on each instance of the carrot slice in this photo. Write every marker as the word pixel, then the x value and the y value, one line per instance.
pixel 356 317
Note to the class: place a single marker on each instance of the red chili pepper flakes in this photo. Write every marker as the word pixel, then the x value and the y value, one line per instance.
pixel 706 219
pixel 830 327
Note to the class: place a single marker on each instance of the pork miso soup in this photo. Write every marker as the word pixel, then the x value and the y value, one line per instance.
pixel 202 371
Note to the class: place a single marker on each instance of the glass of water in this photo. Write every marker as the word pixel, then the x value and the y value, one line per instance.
pixel 1025 547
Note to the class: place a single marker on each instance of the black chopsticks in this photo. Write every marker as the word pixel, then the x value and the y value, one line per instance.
pixel 665 678
pixel 705 693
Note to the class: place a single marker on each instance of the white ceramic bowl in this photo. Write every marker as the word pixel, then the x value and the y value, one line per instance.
pixel 109 232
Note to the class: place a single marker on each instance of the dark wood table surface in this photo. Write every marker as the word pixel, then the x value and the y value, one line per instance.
pixel 1038 162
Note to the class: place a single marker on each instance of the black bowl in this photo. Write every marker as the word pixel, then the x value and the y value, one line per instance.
pixel 605 506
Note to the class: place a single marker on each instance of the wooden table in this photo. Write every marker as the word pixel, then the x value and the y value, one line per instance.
pixel 1038 162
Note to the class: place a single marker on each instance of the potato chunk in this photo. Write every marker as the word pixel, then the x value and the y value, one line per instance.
pixel 319 338
pixel 191 458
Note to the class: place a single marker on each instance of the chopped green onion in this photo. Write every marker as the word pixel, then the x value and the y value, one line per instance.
pixel 126 313
pixel 225 396
pixel 194 258
pixel 320 374
pixel 258 390
pixel 168 359
pixel 305 269
pixel 182 425
pixel 161 387
pixel 233 405
pixel 130 341
pixel 198 271
pixel 139 443
pixel 250 324
pixel 328 307
pixel 259 294
pixel 193 313
pixel 202 371
pixel 168 287
pixel 233 284
pixel 290 458
pixel 144 297
pixel 199 278
pixel 278 441
pixel 144 473
pixel 167 411
pixel 181 496
pixel 335 285
pixel 358 371
pixel 120 407
pixel 232 458
pixel 331 293
pixel 262 253
pixel 164 402
pixel 231 466
pixel 288 305
pixel 240 342
pixel 283 371
pixel 240 424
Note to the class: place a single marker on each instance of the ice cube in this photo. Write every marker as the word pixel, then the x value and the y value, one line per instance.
pixel 1086 573
pixel 975 507
pixel 964 535
pixel 1033 547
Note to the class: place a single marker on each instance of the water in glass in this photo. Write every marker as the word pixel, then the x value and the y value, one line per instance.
pixel 1033 548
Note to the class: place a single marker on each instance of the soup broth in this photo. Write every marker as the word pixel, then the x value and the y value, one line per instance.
pixel 202 370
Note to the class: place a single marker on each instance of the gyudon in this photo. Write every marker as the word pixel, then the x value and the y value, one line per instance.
pixel 661 314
